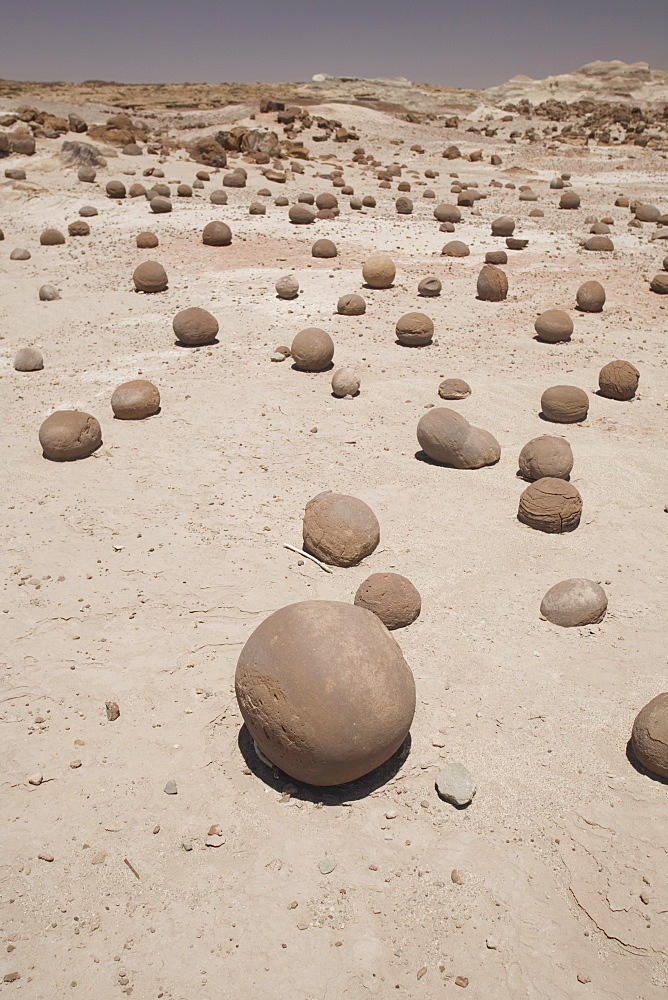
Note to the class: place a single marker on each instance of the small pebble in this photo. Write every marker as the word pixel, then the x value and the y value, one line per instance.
pixel 457 877
pixel 461 981
pixel 75 763
pixel 187 846
pixel 113 711
pixel 583 977
pixel 491 944
pixel 216 841
pixel 170 787
pixel 327 865
pixel 456 785
pixel 36 779
pixel 44 856
pixel 421 972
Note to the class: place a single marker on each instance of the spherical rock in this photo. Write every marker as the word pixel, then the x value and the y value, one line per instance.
pixel 447 213
pixel 503 226
pixel 448 438
pixel 391 597
pixel 325 691
pixel 429 287
pixel 646 213
pixel 218 197
pixel 455 248
pixel 590 296
pixel 369 201
pixel 235 179
pixel 281 201
pixel 379 271
pixel 569 199
pixel 414 329
pixel 79 228
pixel 404 206
pixel 86 174
pixel 150 277
pixel 147 241
pixel 51 238
pixel 115 189
pixel 554 326
pixel 564 404
pixel 301 215
pixel 306 198
pixel 351 305
pixel 492 284
pixel 195 326
pixel 326 200
pixel 257 208
pixel 551 505
pixel 184 191
pixel 137 191
pixel 345 382
pixel 659 283
pixel 618 380
pixel 324 248
pixel 216 234
pixel 135 400
pixel 159 204
pixel 496 257
pixel 546 457
pixel 287 287
pixel 598 243
pixel 20 254
pixel 446 227
pixel 69 434
pixel 87 211
pixel 600 229
pixel 574 602
pixel 312 350
pixel 340 530
pixel 649 738
pixel 48 293
pixel 454 388
pixel 28 359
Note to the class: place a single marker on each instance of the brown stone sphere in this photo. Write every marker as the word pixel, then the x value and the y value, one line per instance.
pixel 137 191
pixel 492 284
pixel 312 350
pixel 503 226
pixel 326 200
pixel 195 326
pixel 150 277
pixel 564 404
pixel 404 206
pixel 115 189
pixel 454 388
pixel 455 248
pixel 649 738
pixel 147 241
pixel 345 382
pixel 135 400
pixel 301 214
pixel 414 329
pixel 69 434
pixel 351 305
pixel 86 174
pixel 51 238
pixel 218 197
pixel 324 248
pixel 28 359
pixel 590 297
pixel 87 211
pixel 391 597
pixel 576 602
pixel 379 271
pixel 429 287
pixel 550 505
pixel 569 199
pixel 369 201
pixel 79 228
pixel 257 208
pixel 646 213
pixel 496 257
pixel 603 243
pixel 659 283
pixel 340 530
pixel 325 691
pixel 287 287
pixel 448 438
pixel 554 326
pixel 281 201
pixel 184 191
pixel 235 179
pixel 216 234
pixel 546 457
pixel 306 198
pixel 447 213
pixel 159 204
pixel 618 380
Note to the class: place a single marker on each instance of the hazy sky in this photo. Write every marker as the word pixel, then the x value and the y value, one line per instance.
pixel 466 43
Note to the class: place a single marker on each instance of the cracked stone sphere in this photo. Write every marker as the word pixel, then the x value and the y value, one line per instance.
pixel 618 380
pixel 564 404
pixel 150 277
pixel 351 305
pixel 339 529
pixel 345 382
pixel 546 457
pixel 69 434
pixel 649 738
pixel 550 505
pixel 390 596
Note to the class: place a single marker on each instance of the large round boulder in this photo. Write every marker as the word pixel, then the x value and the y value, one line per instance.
pixel 574 602
pixel 69 434
pixel 390 596
pixel 448 438
pixel 492 284
pixel 312 350
pixel 550 505
pixel 414 329
pixel 135 400
pixel 618 380
pixel 150 277
pixel 340 530
pixel 649 738
pixel 554 326
pixel 195 326
pixel 564 404
pixel 216 234
pixel 351 305
pixel 379 271
pixel 590 297
pixel 546 457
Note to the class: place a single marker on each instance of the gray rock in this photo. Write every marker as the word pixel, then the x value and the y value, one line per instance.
pixel 327 865
pixel 456 785
pixel 170 787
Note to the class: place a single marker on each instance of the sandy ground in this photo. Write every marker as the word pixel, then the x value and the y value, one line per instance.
pixel 136 575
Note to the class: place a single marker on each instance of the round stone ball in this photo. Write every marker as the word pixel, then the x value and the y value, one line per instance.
pixel 20 254
pixel 391 597
pixel 546 457
pixel 503 226
pixel 28 359
pixel 429 288
pixel 184 191
pixel 618 380
pixel 574 602
pixel 649 738
pixel 554 326
pixel 135 400
pixel 325 691
pixel 603 243
pixel 659 283
pixel 281 201
pixel 569 199
pixel 69 434
pixel 455 248
pixel 137 191
pixel 301 214
pixel 51 238
pixel 87 211
pixel 492 284
pixel 550 505
pixel 324 248
pixel 257 208
pixel 287 287
pixel 496 257
pixel 369 201
pixel 326 200
pixel 355 203
pixel 216 234
pixel 86 174
pixel 218 197
pixel 590 297
pixel 147 241
pixel 600 229
pixel 345 382
pixel 79 228
pixel 195 326
pixel 203 175
pixel 414 329
pixel 235 179
pixel 340 530
pixel 454 388
pixel 446 227
pixel 312 350
pixel 447 213
pixel 351 305
pixel 306 198
pixel 404 206
pixel 564 404
pixel 646 213
pixel 48 293
pixel 150 277
pixel 379 271
pixel 115 189
pixel 159 204
pixel 448 438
